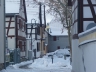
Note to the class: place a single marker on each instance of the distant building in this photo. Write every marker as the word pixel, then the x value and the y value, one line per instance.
pixel 57 42
pixel 37 47
pixel 55 38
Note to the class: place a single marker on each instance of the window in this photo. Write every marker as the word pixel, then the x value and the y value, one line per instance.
pixel 24 46
pixel 25 27
pixel 54 38
pixel 35 33
pixel 38 46
pixel 69 2
pixel 38 30
pixel 58 47
pixel 20 24
pixel 43 45
pixel 20 45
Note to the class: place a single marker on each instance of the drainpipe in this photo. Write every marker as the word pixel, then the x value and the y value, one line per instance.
pixel 4 38
pixel 44 17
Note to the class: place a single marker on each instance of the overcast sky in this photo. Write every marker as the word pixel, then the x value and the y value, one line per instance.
pixel 12 6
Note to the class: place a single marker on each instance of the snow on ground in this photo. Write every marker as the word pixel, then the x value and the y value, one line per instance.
pixel 58 60
pixel 45 64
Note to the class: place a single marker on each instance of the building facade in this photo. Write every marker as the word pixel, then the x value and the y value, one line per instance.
pixel 57 42
pixel 83 35
pixel 33 47
pixel 16 29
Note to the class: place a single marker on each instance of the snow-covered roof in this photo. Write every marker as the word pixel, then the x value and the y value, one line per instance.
pixel 57 28
pixel 11 7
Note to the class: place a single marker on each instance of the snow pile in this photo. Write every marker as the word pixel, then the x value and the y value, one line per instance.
pixel 58 60
pixel 44 64
pixel 16 66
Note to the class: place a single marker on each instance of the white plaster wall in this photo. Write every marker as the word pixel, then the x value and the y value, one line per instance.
pixel 11 43
pixel 8 19
pixel 38 54
pixel 87 13
pixel 89 52
pixel 93 1
pixel 22 54
pixel 75 56
pixel 27 48
pixel 34 42
pixel 20 33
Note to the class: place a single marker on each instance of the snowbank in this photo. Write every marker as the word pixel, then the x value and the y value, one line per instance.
pixel 58 60
pixel 16 66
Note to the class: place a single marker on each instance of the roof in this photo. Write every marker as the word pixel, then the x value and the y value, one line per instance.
pixel 57 29
pixel 58 33
pixel 10 14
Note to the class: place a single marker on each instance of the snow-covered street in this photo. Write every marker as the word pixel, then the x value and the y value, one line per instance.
pixel 44 64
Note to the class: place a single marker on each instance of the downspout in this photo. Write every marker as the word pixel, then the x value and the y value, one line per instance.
pixel 4 38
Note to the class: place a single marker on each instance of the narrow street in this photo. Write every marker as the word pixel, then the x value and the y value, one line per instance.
pixel 44 64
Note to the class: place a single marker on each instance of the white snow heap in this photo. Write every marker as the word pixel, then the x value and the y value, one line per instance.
pixel 58 60
pixel 44 64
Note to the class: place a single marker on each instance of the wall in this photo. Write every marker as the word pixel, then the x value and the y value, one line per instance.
pixel 87 44
pixel 2 31
pixel 34 43
pixel 62 41
pixel 11 41
pixel 87 13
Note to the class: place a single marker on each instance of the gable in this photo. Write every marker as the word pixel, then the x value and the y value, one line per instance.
pixel 22 10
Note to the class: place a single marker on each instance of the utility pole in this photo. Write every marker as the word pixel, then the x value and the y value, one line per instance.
pixel 31 40
pixel 2 34
pixel 31 35
pixel 40 18
pixel 44 17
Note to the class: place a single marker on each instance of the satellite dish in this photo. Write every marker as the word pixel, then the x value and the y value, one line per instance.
pixel 91 25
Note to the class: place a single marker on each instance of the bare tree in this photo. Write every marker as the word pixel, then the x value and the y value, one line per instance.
pixel 62 11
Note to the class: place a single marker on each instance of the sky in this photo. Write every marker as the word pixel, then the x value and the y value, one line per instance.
pixel 12 6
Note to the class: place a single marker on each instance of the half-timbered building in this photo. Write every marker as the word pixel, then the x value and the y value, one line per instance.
pixel 16 28
pixel 33 45
pixel 83 35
